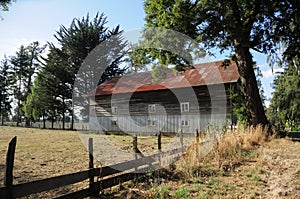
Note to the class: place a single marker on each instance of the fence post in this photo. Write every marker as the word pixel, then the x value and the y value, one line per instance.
pixel 197 136
pixel 135 149
pixel 8 176
pixel 181 139
pixel 159 147
pixel 91 167
pixel 197 144
pixel 159 142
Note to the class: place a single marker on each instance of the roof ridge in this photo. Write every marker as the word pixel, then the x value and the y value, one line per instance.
pixel 206 75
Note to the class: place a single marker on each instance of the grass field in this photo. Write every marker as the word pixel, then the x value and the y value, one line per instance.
pixel 42 153
pixel 45 153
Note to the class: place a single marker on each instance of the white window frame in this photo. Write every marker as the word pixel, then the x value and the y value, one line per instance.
pixel 152 122
pixel 184 107
pixel 114 121
pixel 114 109
pixel 185 123
pixel 151 108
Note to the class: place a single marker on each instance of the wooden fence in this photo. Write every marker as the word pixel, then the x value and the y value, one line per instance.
pixel 109 175
pixel 56 125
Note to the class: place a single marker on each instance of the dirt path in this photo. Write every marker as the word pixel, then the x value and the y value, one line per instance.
pixel 281 161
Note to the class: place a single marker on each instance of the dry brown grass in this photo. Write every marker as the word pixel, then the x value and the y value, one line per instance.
pixel 233 146
pixel 226 150
pixel 242 164
pixel 43 153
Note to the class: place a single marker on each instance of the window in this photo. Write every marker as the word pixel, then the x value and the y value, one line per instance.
pixel 114 109
pixel 152 122
pixel 151 108
pixel 185 107
pixel 185 123
pixel 114 122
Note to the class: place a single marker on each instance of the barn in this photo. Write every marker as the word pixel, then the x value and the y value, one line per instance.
pixel 179 101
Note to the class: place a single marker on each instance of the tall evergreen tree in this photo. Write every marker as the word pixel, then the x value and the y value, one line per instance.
pixel 5 81
pixel 24 65
pixel 44 101
pixel 64 61
pixel 284 110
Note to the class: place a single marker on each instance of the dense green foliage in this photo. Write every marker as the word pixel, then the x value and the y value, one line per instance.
pixel 234 26
pixel 284 110
pixel 169 37
pixel 5 81
pixel 25 63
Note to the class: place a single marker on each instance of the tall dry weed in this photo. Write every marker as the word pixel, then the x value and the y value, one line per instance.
pixel 236 146
pixel 229 149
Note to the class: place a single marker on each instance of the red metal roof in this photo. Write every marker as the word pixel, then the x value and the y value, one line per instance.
pixel 202 74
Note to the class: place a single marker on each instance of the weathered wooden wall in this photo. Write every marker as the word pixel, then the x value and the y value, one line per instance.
pixel 207 104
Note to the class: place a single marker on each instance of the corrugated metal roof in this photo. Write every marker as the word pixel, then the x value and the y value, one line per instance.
pixel 202 74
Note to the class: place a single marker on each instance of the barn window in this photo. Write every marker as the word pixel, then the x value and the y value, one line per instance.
pixel 151 108
pixel 185 107
pixel 185 122
pixel 152 122
pixel 114 109
pixel 114 122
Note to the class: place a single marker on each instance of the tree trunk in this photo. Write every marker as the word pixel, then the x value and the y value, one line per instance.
pixel 2 119
pixel 52 120
pixel 250 89
pixel 27 122
pixel 63 120
pixel 44 121
pixel 72 121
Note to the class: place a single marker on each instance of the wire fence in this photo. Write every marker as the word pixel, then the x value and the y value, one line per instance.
pixel 56 125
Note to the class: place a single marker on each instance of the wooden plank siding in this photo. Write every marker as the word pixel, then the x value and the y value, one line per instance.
pixel 207 104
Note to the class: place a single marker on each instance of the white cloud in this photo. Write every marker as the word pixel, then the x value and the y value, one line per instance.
pixel 269 73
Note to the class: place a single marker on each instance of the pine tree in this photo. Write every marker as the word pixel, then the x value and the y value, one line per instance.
pixel 24 65
pixel 5 81
pixel 53 89
pixel 284 110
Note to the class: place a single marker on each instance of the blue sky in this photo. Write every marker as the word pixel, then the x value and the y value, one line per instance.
pixel 31 20
pixel 38 20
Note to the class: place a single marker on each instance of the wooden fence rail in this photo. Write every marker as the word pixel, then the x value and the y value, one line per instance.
pixel 21 190
pixel 110 175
